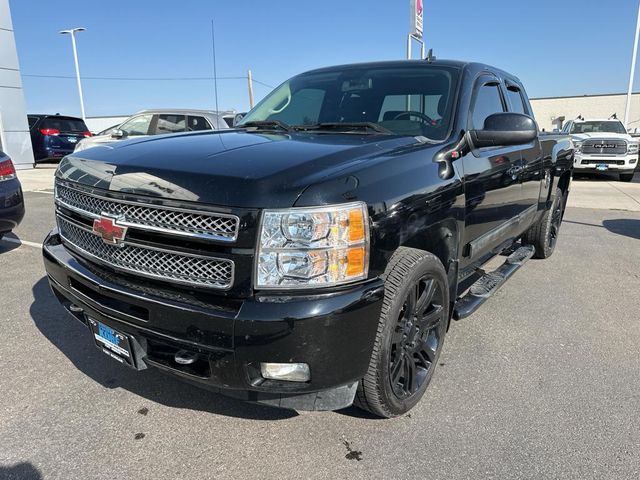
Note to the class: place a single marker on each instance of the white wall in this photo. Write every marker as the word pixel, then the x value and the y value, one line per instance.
pixel 97 124
pixel 14 128
pixel 592 106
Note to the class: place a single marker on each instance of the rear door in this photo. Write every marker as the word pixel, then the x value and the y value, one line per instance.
pixel 492 191
pixel 530 166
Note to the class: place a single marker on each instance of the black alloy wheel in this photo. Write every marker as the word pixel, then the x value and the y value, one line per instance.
pixel 411 329
pixel 417 337
pixel 556 221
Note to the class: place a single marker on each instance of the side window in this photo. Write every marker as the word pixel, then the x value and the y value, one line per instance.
pixel 515 100
pixel 32 121
pixel 197 123
pixel 137 125
pixel 303 108
pixel 487 102
pixel 170 123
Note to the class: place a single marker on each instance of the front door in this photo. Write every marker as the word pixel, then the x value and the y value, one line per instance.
pixel 492 183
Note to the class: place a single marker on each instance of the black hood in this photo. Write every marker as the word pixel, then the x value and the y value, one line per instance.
pixel 233 168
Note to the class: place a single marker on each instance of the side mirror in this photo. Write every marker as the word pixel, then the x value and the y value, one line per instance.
pixel 505 129
pixel 117 133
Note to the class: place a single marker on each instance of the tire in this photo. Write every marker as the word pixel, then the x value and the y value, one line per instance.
pixel 626 177
pixel 543 235
pixel 411 330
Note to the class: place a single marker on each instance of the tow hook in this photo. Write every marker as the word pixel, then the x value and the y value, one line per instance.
pixel 184 357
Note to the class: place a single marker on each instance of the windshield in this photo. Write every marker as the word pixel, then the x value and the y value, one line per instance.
pixel 414 100
pixel 609 126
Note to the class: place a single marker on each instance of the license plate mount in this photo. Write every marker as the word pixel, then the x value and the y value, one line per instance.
pixel 112 342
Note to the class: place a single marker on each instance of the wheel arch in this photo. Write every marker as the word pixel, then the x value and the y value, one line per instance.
pixel 442 240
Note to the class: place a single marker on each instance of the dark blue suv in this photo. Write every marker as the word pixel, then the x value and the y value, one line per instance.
pixel 54 136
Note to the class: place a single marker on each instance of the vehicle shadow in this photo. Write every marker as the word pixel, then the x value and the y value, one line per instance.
pixel 73 340
pixel 20 471
pixel 629 227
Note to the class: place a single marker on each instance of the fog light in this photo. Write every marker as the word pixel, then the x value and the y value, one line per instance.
pixel 291 372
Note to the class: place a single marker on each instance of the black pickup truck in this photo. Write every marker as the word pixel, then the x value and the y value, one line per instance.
pixel 315 255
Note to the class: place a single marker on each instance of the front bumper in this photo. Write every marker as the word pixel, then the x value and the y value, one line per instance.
pixel 600 164
pixel 333 333
pixel 11 205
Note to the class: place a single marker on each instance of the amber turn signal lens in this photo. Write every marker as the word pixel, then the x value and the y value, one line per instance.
pixel 355 261
pixel 356 225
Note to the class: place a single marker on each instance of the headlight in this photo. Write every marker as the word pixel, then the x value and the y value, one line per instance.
pixel 632 148
pixel 577 146
pixel 313 247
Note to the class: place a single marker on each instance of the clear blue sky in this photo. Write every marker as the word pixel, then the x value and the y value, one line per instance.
pixel 567 47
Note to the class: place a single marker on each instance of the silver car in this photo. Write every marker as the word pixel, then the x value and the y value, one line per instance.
pixel 158 122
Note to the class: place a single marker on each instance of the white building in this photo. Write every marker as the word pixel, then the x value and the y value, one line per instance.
pixel 14 128
pixel 552 112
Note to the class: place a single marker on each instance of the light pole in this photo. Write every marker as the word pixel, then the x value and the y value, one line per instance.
pixel 632 74
pixel 72 32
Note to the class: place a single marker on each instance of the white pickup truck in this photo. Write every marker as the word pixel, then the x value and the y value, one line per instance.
pixel 603 146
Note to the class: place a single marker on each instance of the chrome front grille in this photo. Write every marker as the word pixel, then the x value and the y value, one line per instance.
pixel 213 226
pixel 604 147
pixel 146 261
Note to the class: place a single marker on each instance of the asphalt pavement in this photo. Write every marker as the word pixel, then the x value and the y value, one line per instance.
pixel 542 382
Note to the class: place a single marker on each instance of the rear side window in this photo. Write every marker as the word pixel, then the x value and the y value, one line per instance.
pixel 64 124
pixel 515 100
pixel 488 101
pixel 170 123
pixel 33 121
pixel 198 123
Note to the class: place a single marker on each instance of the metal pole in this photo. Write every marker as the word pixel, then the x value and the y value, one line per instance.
pixel 409 47
pixel 250 81
pixel 75 59
pixel 627 110
pixel 215 73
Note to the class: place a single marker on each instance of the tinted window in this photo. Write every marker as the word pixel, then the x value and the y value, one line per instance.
pixel 488 101
pixel 64 124
pixel 395 105
pixel 33 121
pixel 366 94
pixel 170 123
pixel 137 125
pixel 198 123
pixel 303 108
pixel 516 101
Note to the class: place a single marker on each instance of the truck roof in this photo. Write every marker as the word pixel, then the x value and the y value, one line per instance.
pixel 415 63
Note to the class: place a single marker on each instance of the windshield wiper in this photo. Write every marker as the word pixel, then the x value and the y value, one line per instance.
pixel 344 126
pixel 267 124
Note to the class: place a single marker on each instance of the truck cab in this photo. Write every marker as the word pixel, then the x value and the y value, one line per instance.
pixel 603 145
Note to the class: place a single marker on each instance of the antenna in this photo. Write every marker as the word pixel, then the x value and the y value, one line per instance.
pixel 430 58
pixel 215 75
pixel 613 117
